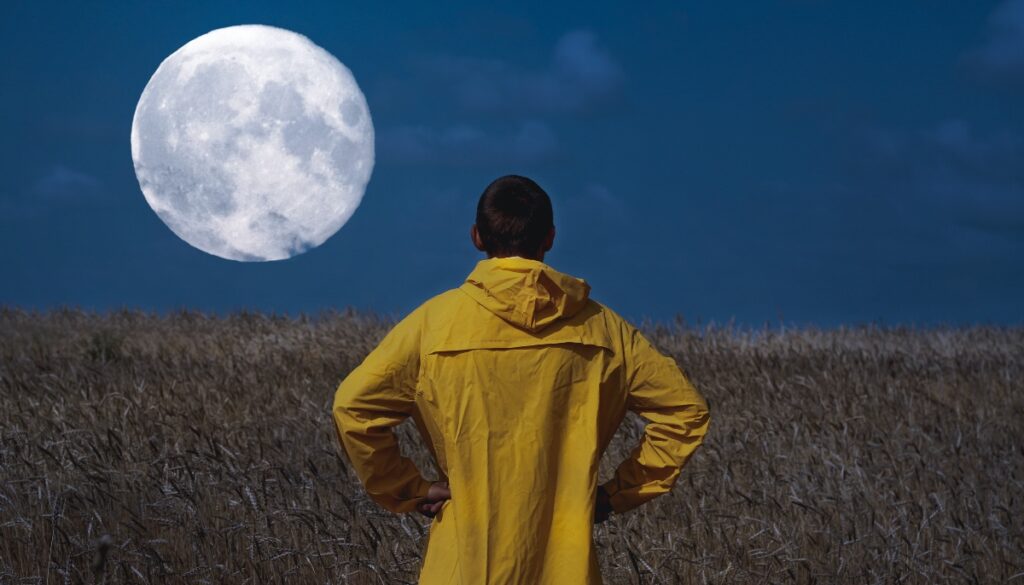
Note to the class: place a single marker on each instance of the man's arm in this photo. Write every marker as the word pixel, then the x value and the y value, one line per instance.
pixel 373 398
pixel 677 418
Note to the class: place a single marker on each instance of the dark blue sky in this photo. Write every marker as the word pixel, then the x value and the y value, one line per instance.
pixel 802 160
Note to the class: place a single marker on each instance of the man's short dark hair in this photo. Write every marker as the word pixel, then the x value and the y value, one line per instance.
pixel 514 217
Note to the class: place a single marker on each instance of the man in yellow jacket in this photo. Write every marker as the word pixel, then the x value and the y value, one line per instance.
pixel 517 382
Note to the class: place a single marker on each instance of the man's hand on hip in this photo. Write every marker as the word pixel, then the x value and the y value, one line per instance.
pixel 436 497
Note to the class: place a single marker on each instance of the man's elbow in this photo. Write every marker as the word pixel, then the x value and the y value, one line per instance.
pixel 698 419
pixel 343 409
pixel 348 422
pixel 703 415
pixel 342 415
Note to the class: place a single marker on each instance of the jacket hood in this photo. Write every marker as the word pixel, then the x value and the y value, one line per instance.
pixel 526 293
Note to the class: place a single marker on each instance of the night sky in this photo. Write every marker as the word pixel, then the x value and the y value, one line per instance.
pixel 799 162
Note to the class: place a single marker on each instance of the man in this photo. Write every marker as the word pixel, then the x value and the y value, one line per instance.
pixel 517 382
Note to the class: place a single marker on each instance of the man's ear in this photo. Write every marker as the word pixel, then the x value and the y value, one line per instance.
pixel 550 240
pixel 474 234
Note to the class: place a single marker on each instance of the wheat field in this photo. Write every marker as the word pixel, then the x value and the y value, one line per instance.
pixel 193 448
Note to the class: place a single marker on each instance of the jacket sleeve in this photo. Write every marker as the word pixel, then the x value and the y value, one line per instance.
pixel 373 398
pixel 677 418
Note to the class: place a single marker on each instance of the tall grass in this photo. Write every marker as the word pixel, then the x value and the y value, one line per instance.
pixel 197 449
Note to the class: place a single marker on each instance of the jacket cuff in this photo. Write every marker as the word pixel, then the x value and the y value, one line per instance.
pixel 413 492
pixel 422 487
pixel 418 492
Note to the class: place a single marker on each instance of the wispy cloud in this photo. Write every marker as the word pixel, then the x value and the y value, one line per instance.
pixel 531 142
pixel 503 112
pixel 579 77
pixel 56 188
pixel 60 183
pixel 595 201
pixel 1002 55
pixel 950 170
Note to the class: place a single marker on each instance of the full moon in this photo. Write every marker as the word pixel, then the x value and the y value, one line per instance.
pixel 252 143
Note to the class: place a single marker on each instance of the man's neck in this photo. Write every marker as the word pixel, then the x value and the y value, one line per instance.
pixel 536 258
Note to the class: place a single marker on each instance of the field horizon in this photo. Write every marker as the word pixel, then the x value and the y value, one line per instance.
pixel 196 447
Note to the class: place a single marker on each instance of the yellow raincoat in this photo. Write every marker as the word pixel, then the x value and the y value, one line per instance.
pixel 517 381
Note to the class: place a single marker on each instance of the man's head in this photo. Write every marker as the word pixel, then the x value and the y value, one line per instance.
pixel 514 218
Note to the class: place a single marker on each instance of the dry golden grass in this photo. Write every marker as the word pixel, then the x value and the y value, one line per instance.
pixel 197 449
